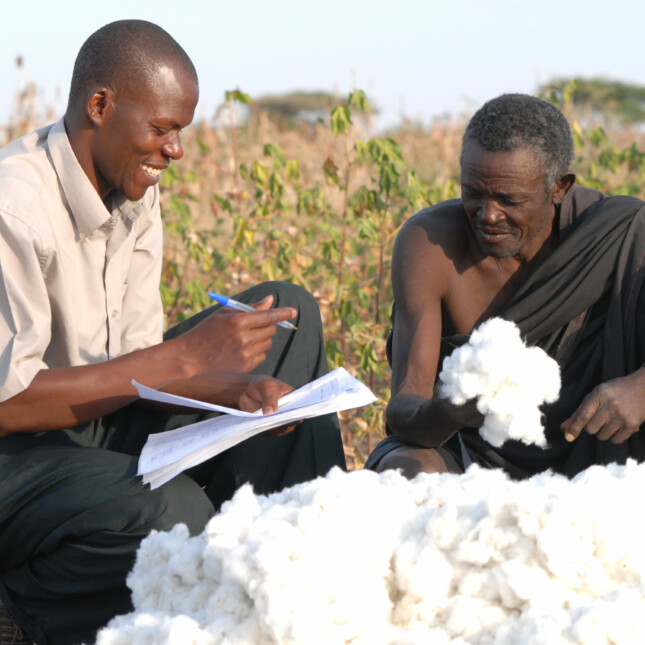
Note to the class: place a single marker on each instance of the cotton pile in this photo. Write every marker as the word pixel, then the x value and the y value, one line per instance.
pixel 509 380
pixel 377 559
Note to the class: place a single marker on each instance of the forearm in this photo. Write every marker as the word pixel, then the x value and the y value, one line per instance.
pixel 427 422
pixel 65 397
pixel 222 388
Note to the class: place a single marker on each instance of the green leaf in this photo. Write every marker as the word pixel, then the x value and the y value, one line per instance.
pixel 276 185
pixel 260 174
pixel 568 91
pixel 358 99
pixel 274 151
pixel 238 96
pixel 331 171
pixel 340 119
pixel 292 170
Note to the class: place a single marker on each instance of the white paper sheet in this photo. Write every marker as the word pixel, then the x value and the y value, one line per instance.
pixel 166 454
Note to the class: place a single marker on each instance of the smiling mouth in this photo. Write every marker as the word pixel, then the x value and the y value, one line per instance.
pixel 152 171
pixel 492 234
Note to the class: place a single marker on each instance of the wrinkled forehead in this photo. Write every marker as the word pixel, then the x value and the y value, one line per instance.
pixel 527 157
pixel 503 171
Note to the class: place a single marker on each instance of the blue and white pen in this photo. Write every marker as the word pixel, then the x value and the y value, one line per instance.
pixel 225 301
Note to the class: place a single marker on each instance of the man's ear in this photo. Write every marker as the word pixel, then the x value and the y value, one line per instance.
pixel 99 104
pixel 562 185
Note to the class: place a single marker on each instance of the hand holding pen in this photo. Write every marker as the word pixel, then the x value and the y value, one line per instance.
pixel 225 301
pixel 226 343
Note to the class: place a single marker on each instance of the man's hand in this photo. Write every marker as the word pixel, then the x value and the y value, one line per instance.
pixel 466 415
pixel 614 410
pixel 263 392
pixel 231 341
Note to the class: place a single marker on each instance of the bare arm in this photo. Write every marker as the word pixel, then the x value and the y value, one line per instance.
pixel 421 279
pixel 65 397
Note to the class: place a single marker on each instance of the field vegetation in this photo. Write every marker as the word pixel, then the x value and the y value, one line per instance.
pixel 320 203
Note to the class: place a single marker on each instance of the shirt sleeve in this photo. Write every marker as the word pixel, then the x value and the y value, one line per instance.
pixel 25 314
pixel 142 308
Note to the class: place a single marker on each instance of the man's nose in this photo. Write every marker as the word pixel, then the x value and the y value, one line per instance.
pixel 173 148
pixel 489 211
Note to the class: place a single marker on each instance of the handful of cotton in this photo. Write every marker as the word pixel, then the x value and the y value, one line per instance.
pixel 509 380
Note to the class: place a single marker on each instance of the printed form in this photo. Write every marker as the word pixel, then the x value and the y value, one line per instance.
pixel 166 454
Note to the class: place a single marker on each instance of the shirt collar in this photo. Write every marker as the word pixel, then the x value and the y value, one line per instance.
pixel 87 208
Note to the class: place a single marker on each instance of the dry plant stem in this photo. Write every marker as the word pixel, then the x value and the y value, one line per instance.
pixel 347 437
pixel 236 156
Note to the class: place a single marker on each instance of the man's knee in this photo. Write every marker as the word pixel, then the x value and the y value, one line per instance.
pixel 181 501
pixel 285 294
pixel 411 461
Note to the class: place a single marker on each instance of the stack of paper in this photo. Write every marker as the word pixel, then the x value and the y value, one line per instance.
pixel 166 454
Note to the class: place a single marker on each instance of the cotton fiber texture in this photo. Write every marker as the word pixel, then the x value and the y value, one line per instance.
pixel 509 380
pixel 373 559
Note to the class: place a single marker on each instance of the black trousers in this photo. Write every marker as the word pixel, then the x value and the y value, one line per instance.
pixel 73 511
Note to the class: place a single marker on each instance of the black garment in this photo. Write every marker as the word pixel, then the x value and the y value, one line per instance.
pixel 585 306
pixel 453 452
pixel 73 511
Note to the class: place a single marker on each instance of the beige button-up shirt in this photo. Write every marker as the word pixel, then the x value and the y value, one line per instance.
pixel 79 280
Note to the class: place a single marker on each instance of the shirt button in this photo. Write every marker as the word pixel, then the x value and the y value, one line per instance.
pixel 115 313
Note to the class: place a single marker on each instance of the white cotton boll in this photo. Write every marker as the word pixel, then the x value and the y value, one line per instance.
pixel 616 619
pixel 495 429
pixel 542 374
pixel 526 425
pixel 463 617
pixel 229 608
pixel 531 628
pixel 516 583
pixel 509 380
pixel 153 629
pixel 426 576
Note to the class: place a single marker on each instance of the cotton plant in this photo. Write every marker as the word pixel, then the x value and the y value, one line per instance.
pixel 367 558
pixel 509 380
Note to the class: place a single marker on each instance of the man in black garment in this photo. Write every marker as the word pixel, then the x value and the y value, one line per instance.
pixel 80 316
pixel 565 263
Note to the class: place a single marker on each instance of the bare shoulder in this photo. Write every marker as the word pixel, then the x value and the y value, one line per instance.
pixel 435 239
pixel 442 227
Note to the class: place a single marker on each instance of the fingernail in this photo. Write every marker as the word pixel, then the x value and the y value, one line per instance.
pixel 267 410
pixel 569 437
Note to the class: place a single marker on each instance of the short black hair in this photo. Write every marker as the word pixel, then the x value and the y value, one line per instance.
pixel 513 121
pixel 123 52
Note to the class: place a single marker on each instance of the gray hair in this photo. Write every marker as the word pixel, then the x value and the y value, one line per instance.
pixel 513 121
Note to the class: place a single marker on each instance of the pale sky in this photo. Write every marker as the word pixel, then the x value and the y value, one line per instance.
pixel 422 58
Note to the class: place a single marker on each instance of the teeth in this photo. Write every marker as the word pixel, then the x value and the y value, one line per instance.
pixel 154 172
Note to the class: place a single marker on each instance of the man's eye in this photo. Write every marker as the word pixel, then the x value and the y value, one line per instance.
pixel 160 131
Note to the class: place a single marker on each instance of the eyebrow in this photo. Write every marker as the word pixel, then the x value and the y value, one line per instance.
pixel 167 121
pixel 520 194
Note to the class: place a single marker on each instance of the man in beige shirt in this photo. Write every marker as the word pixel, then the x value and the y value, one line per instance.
pixel 81 316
